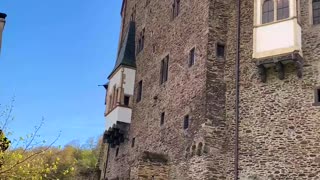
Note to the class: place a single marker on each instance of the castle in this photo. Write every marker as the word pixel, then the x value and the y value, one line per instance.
pixel 215 89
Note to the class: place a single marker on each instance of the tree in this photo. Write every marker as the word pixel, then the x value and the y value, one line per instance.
pixel 25 158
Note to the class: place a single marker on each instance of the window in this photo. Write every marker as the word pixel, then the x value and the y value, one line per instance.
pixel 164 70
pixel 117 152
pixel 267 11
pixel 192 57
pixel 133 142
pixel 175 8
pixel 186 122
pixel 282 9
pixel 317 96
pixel 162 118
pixel 133 14
pixel 141 41
pixel 316 11
pixel 139 95
pixel 126 100
pixel 220 51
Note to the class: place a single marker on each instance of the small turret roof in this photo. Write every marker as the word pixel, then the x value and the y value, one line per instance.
pixel 126 55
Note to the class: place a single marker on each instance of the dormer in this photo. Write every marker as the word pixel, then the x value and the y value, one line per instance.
pixel 120 88
pixel 277 36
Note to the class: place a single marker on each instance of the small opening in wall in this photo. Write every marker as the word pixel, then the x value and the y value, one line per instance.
pixel 317 97
pixel 126 100
pixel 186 122
pixel 220 50
pixel 133 142
pixel 117 152
pixel 162 118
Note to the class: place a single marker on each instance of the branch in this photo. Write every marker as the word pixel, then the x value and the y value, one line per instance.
pixel 31 156
pixel 33 136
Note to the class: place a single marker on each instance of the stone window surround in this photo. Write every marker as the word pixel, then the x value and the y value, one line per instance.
pixel 316 96
pixel 311 14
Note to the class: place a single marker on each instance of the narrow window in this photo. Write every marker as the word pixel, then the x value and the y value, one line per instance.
pixel 267 11
pixel 192 57
pixel 175 8
pixel 133 142
pixel 220 50
pixel 316 11
pixel 126 100
pixel 282 9
pixel 162 118
pixel 139 95
pixel 164 70
pixel 186 122
pixel 117 152
pixel 317 97
pixel 142 39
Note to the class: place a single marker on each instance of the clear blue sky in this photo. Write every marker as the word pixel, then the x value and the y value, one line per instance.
pixel 54 54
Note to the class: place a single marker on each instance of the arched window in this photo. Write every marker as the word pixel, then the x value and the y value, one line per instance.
pixel 267 11
pixel 316 11
pixel 282 9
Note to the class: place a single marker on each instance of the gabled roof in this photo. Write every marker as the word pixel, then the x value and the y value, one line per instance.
pixel 126 55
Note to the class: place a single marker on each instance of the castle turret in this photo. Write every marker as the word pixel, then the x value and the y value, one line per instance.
pixel 120 90
pixel 2 24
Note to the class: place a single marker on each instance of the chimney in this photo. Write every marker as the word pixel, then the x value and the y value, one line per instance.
pixel 2 24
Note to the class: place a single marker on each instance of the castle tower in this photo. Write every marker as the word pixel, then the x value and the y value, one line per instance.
pixel 196 113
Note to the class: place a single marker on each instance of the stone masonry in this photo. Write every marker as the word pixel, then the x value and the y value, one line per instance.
pixel 279 129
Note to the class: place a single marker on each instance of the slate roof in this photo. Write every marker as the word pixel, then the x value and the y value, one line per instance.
pixel 3 15
pixel 126 55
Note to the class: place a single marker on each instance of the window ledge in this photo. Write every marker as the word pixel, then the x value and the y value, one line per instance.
pixel 276 21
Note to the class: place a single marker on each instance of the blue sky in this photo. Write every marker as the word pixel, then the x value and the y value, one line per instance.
pixel 54 54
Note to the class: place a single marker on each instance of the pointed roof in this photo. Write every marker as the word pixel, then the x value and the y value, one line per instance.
pixel 126 55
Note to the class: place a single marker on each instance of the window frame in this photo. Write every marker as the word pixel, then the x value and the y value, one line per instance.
pixel 312 10
pixel 276 11
pixel 262 11
pixel 282 9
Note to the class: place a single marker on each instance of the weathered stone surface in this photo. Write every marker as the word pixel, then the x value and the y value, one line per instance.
pixel 279 126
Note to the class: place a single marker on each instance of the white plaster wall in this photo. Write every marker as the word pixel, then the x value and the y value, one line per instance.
pixel 115 81
pixel 275 36
pixel 121 114
pixel 129 81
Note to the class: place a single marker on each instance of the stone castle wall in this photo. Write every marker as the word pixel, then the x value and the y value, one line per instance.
pixel 279 126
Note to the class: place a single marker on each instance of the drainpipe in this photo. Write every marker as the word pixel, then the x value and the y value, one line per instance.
pixel 236 150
